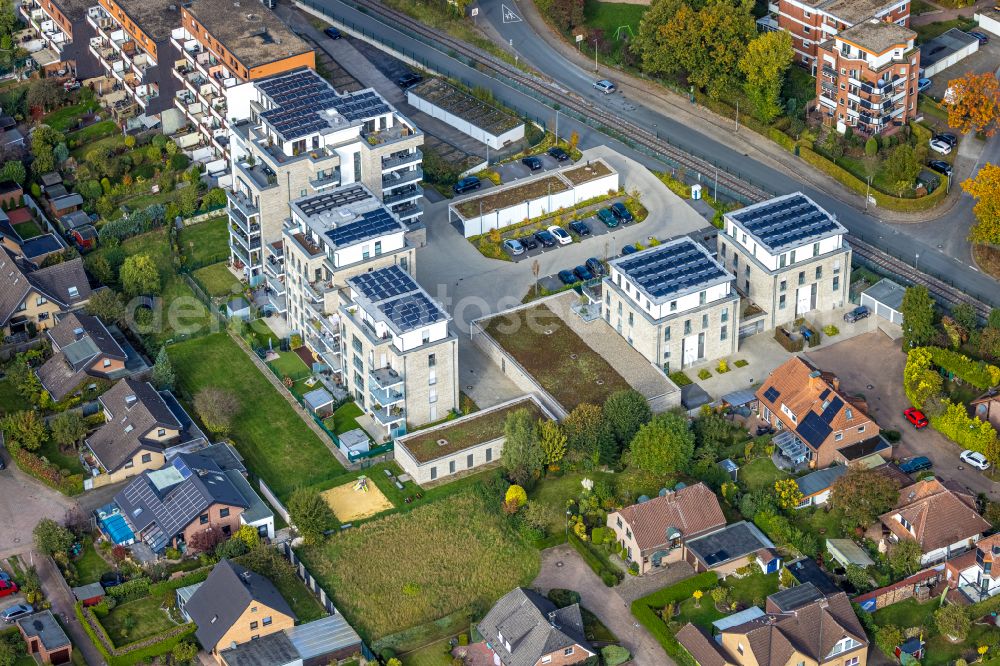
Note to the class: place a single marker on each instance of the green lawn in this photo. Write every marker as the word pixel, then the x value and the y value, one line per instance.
pixel 760 474
pixel 66 117
pixel 344 419
pixel 217 280
pixel 820 522
pixel 11 400
pixel 113 142
pixel 94 132
pixel 610 16
pixel 918 7
pixel 931 30
pixel 906 614
pixel 68 460
pixel 437 653
pixel 145 616
pixel 206 242
pixel 304 603
pixel 90 565
pixel 27 230
pixel 290 364
pixel 745 591
pixel 940 652
pixel 277 444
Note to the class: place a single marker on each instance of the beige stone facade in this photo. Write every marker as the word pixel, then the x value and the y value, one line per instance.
pixel 251 625
pixel 143 461
pixel 36 309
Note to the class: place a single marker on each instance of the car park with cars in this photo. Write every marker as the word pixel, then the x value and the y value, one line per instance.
pixel 619 210
pixel 857 314
pixel 545 238
pixel 975 459
pixel 558 154
pixel 561 235
pixel 939 146
pixel 607 217
pixel 528 242
pixel 595 266
pixel 582 273
pixel 7 588
pixel 513 246
pixel 914 465
pixel 915 417
pixel 580 227
pixel 532 162
pixel 566 276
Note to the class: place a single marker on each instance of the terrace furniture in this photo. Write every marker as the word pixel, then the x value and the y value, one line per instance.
pixel 399 485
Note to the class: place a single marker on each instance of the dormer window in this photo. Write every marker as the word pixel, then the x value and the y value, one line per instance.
pixel 73 292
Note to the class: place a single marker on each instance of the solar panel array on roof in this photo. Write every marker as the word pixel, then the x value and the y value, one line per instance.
pixel 382 284
pixel 826 392
pixel 672 268
pixel 832 410
pixel 813 429
pixel 372 224
pixel 716 557
pixel 398 297
pixel 772 394
pixel 332 200
pixel 786 221
pixel 299 98
pixel 361 105
pixel 412 311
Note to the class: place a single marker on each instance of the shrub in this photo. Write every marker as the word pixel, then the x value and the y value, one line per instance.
pixel 723 367
pixel 563 598
pixel 952 621
pixel 609 579
pixel 831 330
pixel 130 590
pixel 613 655
pixel 704 373
pixel 741 363
pixel 892 436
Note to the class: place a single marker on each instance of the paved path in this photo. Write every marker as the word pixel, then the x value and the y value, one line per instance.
pixel 58 592
pixel 23 502
pixel 602 601
pixel 946 14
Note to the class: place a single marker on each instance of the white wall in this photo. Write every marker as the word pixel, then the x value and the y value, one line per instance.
pixel 773 261
pixel 684 303
pixel 495 141
pixel 355 253
pixel 988 23
pixel 955 57
pixel 421 472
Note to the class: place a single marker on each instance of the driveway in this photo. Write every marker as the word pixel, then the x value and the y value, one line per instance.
pixel 562 567
pixel 874 360
pixel 23 502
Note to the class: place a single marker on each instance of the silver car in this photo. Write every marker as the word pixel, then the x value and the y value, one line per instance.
pixel 605 86
pixel 513 246
pixel 16 612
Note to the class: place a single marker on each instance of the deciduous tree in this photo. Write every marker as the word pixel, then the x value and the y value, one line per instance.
pixel 788 493
pixel 24 429
pixel 902 166
pixel 51 537
pixel 918 317
pixel 664 445
pixel 985 189
pixel 625 412
pixel 552 440
pixel 567 14
pixel 587 434
pixel 107 305
pixel 904 557
pixel 764 65
pixel 952 621
pixel 522 456
pixel 216 408
pixel 139 276
pixel 43 143
pixel 68 428
pixel 310 514
pixel 862 495
pixel 973 103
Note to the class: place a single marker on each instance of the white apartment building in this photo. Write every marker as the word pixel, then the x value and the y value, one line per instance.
pixel 400 356
pixel 673 303
pixel 299 137
pixel 789 257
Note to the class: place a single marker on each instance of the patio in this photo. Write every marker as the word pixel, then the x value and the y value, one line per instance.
pixel 474 654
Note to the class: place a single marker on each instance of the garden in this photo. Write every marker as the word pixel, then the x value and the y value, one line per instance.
pixel 927 619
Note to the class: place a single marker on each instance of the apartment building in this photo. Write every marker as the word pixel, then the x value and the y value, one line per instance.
pixel 303 138
pixel 673 303
pixel 789 257
pixel 63 28
pixel 400 356
pixel 812 23
pixel 868 78
pixel 133 46
pixel 329 238
pixel 223 45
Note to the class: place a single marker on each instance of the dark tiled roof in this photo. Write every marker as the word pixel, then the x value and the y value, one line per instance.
pixel 531 626
pixel 939 516
pixel 271 650
pixel 54 282
pixel 135 408
pixel 74 326
pixel 728 544
pixel 225 595
pixel 699 644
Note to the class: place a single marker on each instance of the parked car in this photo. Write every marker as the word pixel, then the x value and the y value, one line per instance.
pixel 561 235
pixel 3 465
pixel 529 242
pixel 7 588
pixel 607 217
pixel 567 277
pixel 111 579
pixel 857 314
pixel 948 138
pixel 914 465
pixel 975 458
pixel 940 166
pixel 467 184
pixel 629 249
pixel 558 154
pixel 532 162
pixel 915 417
pixel 332 33
pixel 580 227
pixel 545 238
pixel 621 212
pixel 940 146
pixel 513 246
pixel 924 84
pixel 16 612
pixel 410 79
pixel 595 266
pixel 605 86
pixel 981 36
pixel 582 273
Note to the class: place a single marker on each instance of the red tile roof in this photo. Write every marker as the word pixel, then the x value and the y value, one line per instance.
pixel 693 510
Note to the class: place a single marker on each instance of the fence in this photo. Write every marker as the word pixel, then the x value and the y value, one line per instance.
pixel 274 501
pixel 901 591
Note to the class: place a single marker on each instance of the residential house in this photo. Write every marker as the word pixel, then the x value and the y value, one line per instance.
pixel 169 507
pixel 814 22
pixel 141 424
pixel 977 573
pixel 673 303
pixel 235 605
pixel 816 486
pixel 81 347
pixel 987 407
pixel 324 641
pixel 808 630
pixel 733 547
pixel 46 641
pixel 525 629
pixel 816 422
pixel 62 27
pixel 399 351
pixel 33 249
pixel 653 532
pixel 11 194
pixel 298 137
pixel 30 297
pixel 790 258
pixel 939 516
pixel 224 48
pixel 868 78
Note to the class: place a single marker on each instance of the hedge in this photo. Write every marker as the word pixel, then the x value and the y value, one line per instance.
pixel 979 374
pixel 141 651
pixel 782 139
pixel 196 576
pixel 49 474
pixel 645 610
pixel 597 561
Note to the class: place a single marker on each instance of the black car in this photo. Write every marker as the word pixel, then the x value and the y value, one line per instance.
pixel 567 277
pixel 111 579
pixel 621 212
pixel 532 163
pixel 629 249
pixel 545 238
pixel 580 227
pixel 467 184
pixel 981 36
pixel 595 266
pixel 333 33
pixel 948 138
pixel 558 154
pixel 529 242
pixel 582 273
pixel 410 79
pixel 914 465
pixel 940 166
pixel 857 314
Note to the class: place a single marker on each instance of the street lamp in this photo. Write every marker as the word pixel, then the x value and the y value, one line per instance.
pixel 595 56
pixel 916 262
pixel 568 514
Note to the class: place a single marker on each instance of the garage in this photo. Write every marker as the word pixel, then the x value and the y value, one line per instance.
pixel 945 50
pixel 885 299
pixel 989 20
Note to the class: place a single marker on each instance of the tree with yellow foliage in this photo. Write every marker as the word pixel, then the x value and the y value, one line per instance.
pixel 985 189
pixel 973 103
pixel 789 495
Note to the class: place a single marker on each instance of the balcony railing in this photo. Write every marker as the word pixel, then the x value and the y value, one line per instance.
pixel 243 203
pixel 386 397
pixel 408 210
pixel 396 160
pixel 397 178
pixel 389 415
pixel 397 196
pixel 385 378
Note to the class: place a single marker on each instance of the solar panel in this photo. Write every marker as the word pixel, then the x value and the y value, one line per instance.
pixel 826 392
pixel 398 297
pixel 384 284
pixel 772 394
pixel 412 311
pixel 371 225
pixel 716 557
pixel 672 268
pixel 787 221
pixel 321 203
pixel 813 429
pixel 832 410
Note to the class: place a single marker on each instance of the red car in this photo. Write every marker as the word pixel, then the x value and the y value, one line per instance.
pixel 916 417
pixel 7 588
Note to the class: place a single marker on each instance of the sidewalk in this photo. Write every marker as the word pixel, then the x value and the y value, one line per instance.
pixel 704 120
pixel 58 592
pixel 946 14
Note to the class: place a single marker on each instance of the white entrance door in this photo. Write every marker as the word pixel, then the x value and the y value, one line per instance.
pixel 689 353
pixel 802 300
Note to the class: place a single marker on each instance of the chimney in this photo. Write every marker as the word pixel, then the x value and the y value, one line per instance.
pixel 815 381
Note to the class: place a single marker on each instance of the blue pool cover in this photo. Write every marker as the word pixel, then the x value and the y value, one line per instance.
pixel 117 529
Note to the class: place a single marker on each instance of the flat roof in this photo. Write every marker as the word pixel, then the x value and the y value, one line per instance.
pixel 323 636
pixel 786 222
pixel 398 299
pixel 74 9
pixel 459 103
pixel 44 627
pixel 847 552
pixel 672 269
pixel 877 36
pixel 251 32
pixel 795 597
pixel 347 215
pixel 156 18
pixel 944 46
pixel 820 480
pixel 887 293
pixel 730 543
pixel 270 650
pixel 853 11
pixel 739 618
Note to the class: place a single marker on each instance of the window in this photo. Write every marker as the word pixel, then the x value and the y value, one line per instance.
pixel 673 306
pixel 687 327
pixel 839 436
pixel 782 261
pixel 739 648
pixel 819 272
pixel 378 247
pixel 253 625
pixel 425 337
pixel 147 457
pixel 781 302
pixel 853 661
pixel 434 473
pixel 802 277
pixel 836 283
pixel 725 315
pixel 861 428
pixel 489 454
pixel 631 319
pixel 203 519
pixel 704 321
pixel 432 395
pixel 451 467
pixel 724 333
pixel 107 362
pixel 666 334
pixel 224 513
pixel 619 521
pixel 568 651
pixel 266 621
pixel 815 249
pixel 722 249
pixel 702 297
pixel 546 659
pixel 469 461
pixel 431 360
pixel 783 285
pixel 628 534
pixel 161 432
pixel 129 464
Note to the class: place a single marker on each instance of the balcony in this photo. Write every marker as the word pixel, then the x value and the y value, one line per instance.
pixel 329 178
pixel 404 194
pixel 241 253
pixel 408 210
pixel 401 159
pixel 385 378
pixel 388 135
pixel 275 284
pixel 397 178
pixel 245 225
pixel 386 397
pixel 249 245
pixel 260 175
pixel 277 301
pixel 243 203
pixel 387 416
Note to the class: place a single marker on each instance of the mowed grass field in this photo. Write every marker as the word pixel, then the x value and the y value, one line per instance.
pixel 412 568
pixel 277 444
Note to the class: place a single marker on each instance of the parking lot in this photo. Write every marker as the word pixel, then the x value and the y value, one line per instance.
pixel 983 60
pixel 513 171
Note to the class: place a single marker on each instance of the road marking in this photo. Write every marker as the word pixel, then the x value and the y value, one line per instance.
pixel 509 16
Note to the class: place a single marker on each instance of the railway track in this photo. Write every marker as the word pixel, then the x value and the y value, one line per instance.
pixel 556 96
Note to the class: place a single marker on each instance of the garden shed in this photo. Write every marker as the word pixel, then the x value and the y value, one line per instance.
pixel 89 595
pixel 847 552
pixel 238 307
pixel 319 402
pixel 885 298
pixel 354 442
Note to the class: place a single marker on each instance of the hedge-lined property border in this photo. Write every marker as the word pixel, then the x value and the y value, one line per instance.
pixel 645 608
pixel 980 374
pixel 32 464
pixel 132 653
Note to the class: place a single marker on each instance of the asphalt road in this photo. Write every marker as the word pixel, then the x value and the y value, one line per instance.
pixel 537 51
